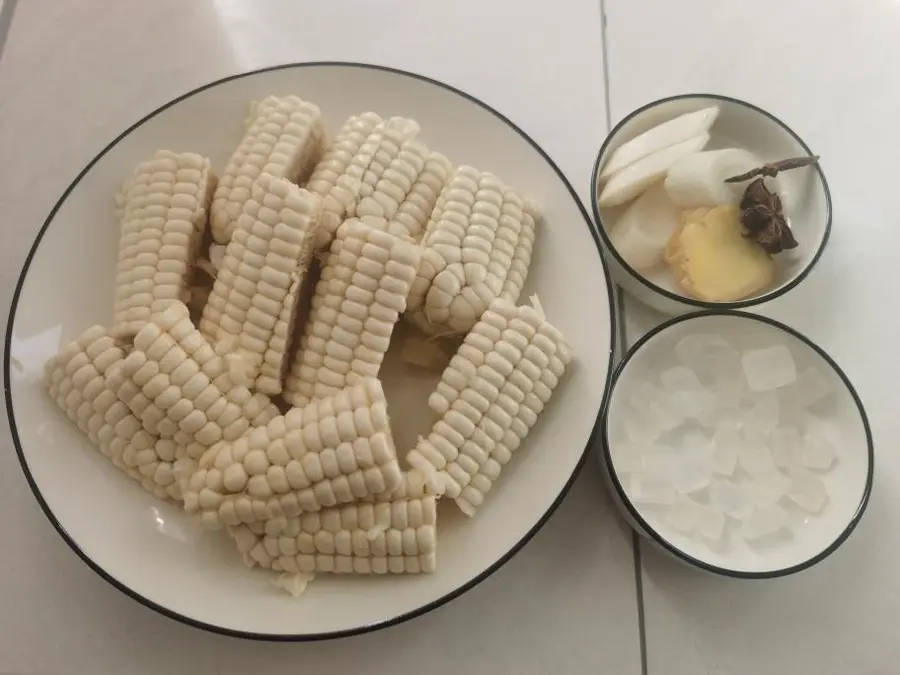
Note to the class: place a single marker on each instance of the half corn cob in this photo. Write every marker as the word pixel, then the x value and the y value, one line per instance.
pixel 416 208
pixel 334 163
pixel 489 397
pixel 163 215
pixel 174 378
pixel 357 301
pixel 359 178
pixel 334 450
pixel 476 248
pixel 413 180
pixel 256 293
pixel 75 380
pixel 285 139
pixel 346 539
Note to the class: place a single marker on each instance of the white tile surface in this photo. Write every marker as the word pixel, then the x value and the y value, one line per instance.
pixel 828 71
pixel 75 74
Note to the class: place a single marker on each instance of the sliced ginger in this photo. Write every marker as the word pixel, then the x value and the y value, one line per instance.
pixel 713 261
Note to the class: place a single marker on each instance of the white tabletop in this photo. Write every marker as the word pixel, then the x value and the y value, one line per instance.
pixel 74 74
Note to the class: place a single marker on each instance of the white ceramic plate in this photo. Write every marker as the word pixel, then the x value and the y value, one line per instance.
pixel 848 483
pixel 152 550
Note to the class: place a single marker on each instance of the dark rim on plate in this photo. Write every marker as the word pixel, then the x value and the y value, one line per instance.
pixel 662 541
pixel 305 637
pixel 702 304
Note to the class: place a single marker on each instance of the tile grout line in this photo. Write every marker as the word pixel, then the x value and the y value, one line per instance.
pixel 623 348
pixel 7 8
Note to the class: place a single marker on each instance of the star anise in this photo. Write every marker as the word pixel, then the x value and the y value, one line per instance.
pixel 762 213
pixel 763 218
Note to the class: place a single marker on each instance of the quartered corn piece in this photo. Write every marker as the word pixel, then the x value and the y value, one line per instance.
pixel 476 248
pixel 358 180
pixel 334 450
pixel 285 139
pixel 75 380
pixel 396 538
pixel 163 213
pixel 357 301
pixel 489 397
pixel 255 296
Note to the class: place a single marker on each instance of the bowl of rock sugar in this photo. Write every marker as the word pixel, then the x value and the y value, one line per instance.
pixel 737 445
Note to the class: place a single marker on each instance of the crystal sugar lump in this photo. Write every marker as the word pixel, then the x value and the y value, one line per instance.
pixel 722 418
pixel 769 368
pixel 817 452
pixel 762 413
pixel 692 472
pixel 709 523
pixel 764 521
pixel 768 489
pixel 692 403
pixel 653 488
pixel 626 457
pixel 754 455
pixel 812 386
pixel 786 448
pixel 704 353
pixel 665 417
pixel 731 499
pixel 642 395
pixel 807 490
pixel 680 378
pixel 682 514
pixel 726 445
pixel 641 430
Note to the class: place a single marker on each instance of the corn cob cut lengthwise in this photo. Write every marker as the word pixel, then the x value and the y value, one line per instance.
pixel 174 375
pixel 357 301
pixel 163 214
pixel 75 380
pixel 395 538
pixel 285 139
pixel 256 293
pixel 477 247
pixel 489 397
pixel 335 450
pixel 358 180
pixel 416 208
pixel 407 191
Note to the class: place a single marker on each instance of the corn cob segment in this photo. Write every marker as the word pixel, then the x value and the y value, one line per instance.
pixel 362 173
pixel 345 540
pixel 489 397
pixel 406 193
pixel 75 380
pixel 256 293
pixel 334 164
pixel 335 450
pixel 477 247
pixel 285 139
pixel 174 379
pixel 416 208
pixel 357 301
pixel 163 215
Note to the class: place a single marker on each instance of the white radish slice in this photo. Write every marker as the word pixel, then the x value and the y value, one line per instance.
pixel 699 179
pixel 633 180
pixel 641 233
pixel 659 138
